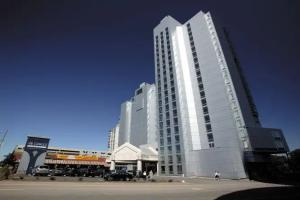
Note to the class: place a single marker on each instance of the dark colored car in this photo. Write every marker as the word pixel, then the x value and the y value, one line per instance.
pixel 71 172
pixel 118 176
pixel 82 172
pixel 57 172
pixel 96 172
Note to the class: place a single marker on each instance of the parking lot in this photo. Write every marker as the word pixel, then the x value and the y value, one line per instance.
pixel 196 189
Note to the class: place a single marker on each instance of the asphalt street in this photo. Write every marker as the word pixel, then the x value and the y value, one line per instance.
pixel 206 189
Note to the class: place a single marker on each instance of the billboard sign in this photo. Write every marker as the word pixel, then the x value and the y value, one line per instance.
pixel 34 154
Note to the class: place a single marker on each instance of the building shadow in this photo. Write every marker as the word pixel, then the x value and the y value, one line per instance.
pixel 270 193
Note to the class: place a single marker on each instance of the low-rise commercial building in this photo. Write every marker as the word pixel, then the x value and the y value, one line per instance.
pixel 69 157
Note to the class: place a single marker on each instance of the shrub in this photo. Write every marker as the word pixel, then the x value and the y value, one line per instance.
pixel 170 180
pixel 52 178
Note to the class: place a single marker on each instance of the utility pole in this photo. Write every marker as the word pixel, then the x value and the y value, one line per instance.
pixel 2 138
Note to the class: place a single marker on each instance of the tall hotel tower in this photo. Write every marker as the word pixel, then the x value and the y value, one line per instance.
pixel 137 124
pixel 207 120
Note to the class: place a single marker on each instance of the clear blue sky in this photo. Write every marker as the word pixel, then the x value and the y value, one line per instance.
pixel 66 66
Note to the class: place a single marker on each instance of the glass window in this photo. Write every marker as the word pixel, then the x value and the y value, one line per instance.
pixel 195 59
pixel 166 99
pixel 176 129
pixel 205 110
pixel 162 149
pixel 208 127
pixel 199 80
pixel 163 169
pixel 174 104
pixel 206 118
pixel 167 107
pixel 171 76
pixel 172 83
pixel 201 88
pixel 168 131
pixel 178 158
pixel 179 169
pixel 177 139
pixel 169 149
pixel 170 158
pixel 202 94
pixel 168 123
pixel 173 97
pixel 169 140
pixel 171 169
pixel 161 133
pixel 210 137
pixel 204 103
pixel 160 124
pixel 161 142
pixel 177 148
pixel 175 113
pixel 167 115
pixel 175 121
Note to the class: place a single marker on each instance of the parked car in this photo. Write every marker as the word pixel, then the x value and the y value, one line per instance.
pixel 71 172
pixel 83 172
pixel 42 170
pixel 96 172
pixel 118 176
pixel 57 172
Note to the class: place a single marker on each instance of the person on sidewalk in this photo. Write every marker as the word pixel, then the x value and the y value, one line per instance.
pixel 217 175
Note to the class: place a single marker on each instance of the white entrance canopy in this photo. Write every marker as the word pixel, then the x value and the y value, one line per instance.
pixel 128 153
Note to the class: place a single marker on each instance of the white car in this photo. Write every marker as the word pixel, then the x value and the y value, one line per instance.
pixel 42 170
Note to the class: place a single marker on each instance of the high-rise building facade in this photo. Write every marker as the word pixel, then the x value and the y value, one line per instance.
pixel 207 120
pixel 113 138
pixel 137 124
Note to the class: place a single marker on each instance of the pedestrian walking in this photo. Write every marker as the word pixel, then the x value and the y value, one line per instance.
pixel 217 175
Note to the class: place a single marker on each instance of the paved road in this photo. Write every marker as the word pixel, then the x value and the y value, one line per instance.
pixel 206 189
